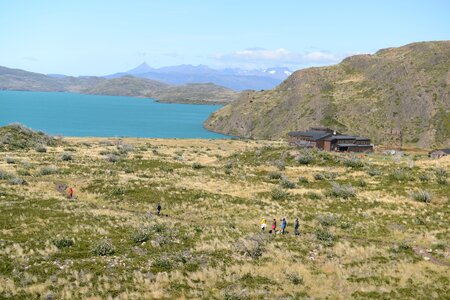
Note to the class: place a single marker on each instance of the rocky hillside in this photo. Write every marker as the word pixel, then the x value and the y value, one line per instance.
pixel 14 79
pixel 404 88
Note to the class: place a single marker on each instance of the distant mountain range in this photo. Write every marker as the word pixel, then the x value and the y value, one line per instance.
pixel 235 79
pixel 404 89
pixel 15 79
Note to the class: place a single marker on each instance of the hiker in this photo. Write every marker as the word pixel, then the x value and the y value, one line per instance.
pixel 296 226
pixel 70 193
pixel 274 226
pixel 283 226
pixel 158 209
pixel 263 224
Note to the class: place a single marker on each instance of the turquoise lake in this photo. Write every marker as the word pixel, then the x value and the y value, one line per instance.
pixel 71 114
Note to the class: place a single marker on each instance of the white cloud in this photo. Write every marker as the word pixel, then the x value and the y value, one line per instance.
pixel 277 57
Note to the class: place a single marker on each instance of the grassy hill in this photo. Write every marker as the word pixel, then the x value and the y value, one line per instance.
pixel 370 227
pixel 14 79
pixel 405 88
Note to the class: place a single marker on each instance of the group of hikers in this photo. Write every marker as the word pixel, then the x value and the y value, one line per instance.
pixel 282 230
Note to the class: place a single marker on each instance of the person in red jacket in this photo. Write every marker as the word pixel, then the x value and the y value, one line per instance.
pixel 274 226
pixel 70 192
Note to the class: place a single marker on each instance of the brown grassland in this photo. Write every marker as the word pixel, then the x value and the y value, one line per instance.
pixel 370 227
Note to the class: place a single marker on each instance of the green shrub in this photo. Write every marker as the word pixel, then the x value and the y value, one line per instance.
pixel 48 170
pixel 251 246
pixel 319 176
pixel 313 195
pixel 305 159
pixel 112 158
pixel 103 248
pixel 287 184
pixel 197 166
pixel 441 180
pixel 161 264
pixel 440 172
pixel 327 220
pixel 353 163
pixel 294 278
pixel 63 242
pixel 40 149
pixel 303 180
pixel 325 236
pixel 344 191
pixel 280 165
pixel 10 160
pixel 66 156
pixel 141 235
pixel 361 182
pixel 374 172
pixel 17 181
pixel 424 177
pixel 278 194
pixel 274 175
pixel 400 175
pixel 421 196
pixel 4 175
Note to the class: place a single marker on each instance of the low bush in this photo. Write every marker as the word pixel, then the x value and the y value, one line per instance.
pixel 294 278
pixel 112 158
pixel 374 172
pixel 4 175
pixel 353 163
pixel 66 156
pixel 325 236
pixel 161 264
pixel 48 170
pixel 141 235
pixel 17 181
pixel 440 172
pixel 280 165
pixel 319 176
pixel 287 184
pixel 344 191
pixel 303 180
pixel 441 180
pixel 424 177
pixel 361 182
pixel 10 160
pixel 63 242
pixel 40 148
pixel 327 220
pixel 305 159
pixel 274 175
pixel 251 246
pixel 421 196
pixel 103 248
pixel 313 195
pixel 197 166
pixel 400 175
pixel 278 194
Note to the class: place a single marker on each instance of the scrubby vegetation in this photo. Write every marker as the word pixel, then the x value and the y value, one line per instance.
pixel 367 229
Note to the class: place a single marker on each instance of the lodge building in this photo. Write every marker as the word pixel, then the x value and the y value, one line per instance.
pixel 329 140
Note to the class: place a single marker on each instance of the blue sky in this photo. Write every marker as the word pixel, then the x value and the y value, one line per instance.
pixel 102 37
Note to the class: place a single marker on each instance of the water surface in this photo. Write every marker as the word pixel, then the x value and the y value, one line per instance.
pixel 71 114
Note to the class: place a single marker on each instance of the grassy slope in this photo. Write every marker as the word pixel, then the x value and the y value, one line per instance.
pixel 403 88
pixel 365 246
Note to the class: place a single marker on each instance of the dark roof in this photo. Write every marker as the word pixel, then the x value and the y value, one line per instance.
pixel 346 137
pixel 446 151
pixel 353 145
pixel 313 134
